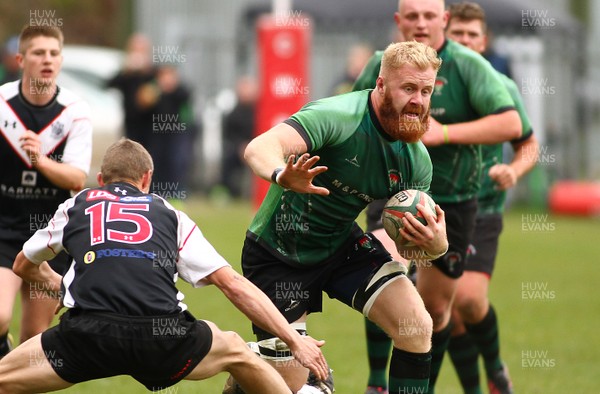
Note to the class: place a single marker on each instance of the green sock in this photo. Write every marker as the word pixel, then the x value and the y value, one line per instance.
pixel 409 372
pixel 439 344
pixel 378 351
pixel 485 336
pixel 464 355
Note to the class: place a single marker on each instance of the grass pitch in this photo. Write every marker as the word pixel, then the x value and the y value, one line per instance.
pixel 545 291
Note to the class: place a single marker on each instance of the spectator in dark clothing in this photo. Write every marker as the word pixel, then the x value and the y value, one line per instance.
pixel 358 56
pixel 9 70
pixel 498 61
pixel 173 134
pixel 238 130
pixel 137 71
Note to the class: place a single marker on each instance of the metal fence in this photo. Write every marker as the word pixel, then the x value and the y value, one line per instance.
pixel 217 40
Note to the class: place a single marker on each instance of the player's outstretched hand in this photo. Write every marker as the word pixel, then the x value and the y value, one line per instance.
pixel 298 176
pixel 308 353
pixel 431 238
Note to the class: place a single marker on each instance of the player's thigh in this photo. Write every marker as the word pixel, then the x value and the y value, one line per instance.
pixel 460 227
pixel 9 287
pixel 227 349
pixel 472 296
pixel 435 287
pixel 472 286
pixel 400 312
pixel 399 300
pixel 437 290
pixel 37 311
pixel 28 369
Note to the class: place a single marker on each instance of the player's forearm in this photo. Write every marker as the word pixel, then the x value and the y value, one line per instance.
pixel 491 129
pixel 261 311
pixel 263 155
pixel 47 279
pixel 62 175
pixel 526 155
pixel 254 304
pixel 271 149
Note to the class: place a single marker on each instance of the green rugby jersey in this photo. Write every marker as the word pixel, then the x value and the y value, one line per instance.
pixel 466 88
pixel 490 200
pixel 363 165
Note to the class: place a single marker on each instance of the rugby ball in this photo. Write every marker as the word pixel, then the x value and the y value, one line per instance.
pixel 397 206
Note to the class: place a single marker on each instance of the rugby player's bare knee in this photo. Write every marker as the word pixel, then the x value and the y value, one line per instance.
pixel 236 345
pixel 414 331
pixel 407 322
pixel 440 314
pixel 472 309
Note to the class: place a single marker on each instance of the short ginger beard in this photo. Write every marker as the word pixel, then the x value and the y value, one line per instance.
pixel 398 126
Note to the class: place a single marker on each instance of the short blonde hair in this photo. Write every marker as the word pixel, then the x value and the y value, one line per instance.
pixel 29 32
pixel 125 160
pixel 409 53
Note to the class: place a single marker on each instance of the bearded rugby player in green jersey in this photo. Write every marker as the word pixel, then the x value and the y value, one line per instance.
pixel 304 236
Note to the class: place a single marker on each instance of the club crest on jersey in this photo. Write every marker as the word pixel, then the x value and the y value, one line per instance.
pixel 29 178
pixel 58 130
pixel 440 82
pixel 451 259
pixel 471 250
pixel 365 242
pixel 395 178
pixel 89 257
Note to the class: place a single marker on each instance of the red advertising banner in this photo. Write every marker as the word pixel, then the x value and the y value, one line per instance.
pixel 283 51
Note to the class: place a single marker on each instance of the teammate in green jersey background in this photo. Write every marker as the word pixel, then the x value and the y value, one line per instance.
pixel 472 311
pixel 470 106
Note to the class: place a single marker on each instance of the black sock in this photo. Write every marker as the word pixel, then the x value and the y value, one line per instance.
pixel 485 335
pixel 409 372
pixel 378 351
pixel 439 344
pixel 465 356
